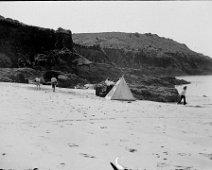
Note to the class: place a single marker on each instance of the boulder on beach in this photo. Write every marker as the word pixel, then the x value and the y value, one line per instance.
pixel 155 93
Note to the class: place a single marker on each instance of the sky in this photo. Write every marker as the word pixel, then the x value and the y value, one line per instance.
pixel 188 22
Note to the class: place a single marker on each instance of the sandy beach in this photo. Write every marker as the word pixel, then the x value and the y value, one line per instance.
pixel 73 129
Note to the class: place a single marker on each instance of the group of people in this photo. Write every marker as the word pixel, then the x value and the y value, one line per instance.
pixel 109 84
pixel 54 83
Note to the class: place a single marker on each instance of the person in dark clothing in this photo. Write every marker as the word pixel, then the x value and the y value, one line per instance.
pixel 54 83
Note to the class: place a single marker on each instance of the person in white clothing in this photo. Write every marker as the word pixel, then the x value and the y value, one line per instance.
pixel 109 85
pixel 108 82
pixel 183 96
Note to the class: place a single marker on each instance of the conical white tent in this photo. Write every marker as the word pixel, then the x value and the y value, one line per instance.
pixel 120 91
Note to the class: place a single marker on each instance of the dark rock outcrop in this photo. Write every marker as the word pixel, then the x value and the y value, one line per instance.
pixel 25 75
pixel 155 93
pixel 66 80
pixel 64 39
pixel 63 60
pixel 20 75
pixel 20 43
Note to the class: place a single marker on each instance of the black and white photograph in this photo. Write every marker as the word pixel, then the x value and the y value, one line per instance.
pixel 106 85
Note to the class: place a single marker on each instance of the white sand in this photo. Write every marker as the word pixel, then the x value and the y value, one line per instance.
pixel 75 130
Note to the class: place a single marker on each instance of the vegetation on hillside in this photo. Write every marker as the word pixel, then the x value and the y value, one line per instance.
pixel 134 50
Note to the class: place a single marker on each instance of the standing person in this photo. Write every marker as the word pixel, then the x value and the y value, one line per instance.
pixel 54 83
pixel 108 84
pixel 37 82
pixel 107 81
pixel 183 96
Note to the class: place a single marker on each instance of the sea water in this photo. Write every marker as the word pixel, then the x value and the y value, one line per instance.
pixel 199 92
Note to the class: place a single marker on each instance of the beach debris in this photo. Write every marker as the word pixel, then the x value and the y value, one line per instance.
pixel 182 154
pixel 114 167
pixel 183 167
pixel 118 166
pixel 72 145
pixel 158 156
pixel 87 155
pixel 103 127
pixel 166 153
pixel 162 164
pixel 131 149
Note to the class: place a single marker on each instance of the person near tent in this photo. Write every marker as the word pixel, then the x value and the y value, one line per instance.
pixel 109 85
pixel 183 96
pixel 107 81
pixel 54 83
pixel 37 82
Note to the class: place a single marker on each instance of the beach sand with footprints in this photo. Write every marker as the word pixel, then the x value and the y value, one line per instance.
pixel 74 129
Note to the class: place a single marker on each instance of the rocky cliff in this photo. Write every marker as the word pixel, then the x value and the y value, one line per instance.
pixel 28 51
pixel 153 54
pixel 20 43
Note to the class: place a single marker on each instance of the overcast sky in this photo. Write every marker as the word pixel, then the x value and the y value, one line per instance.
pixel 188 22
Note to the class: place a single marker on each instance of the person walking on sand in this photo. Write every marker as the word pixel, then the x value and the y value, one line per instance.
pixel 183 96
pixel 54 83
pixel 37 82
